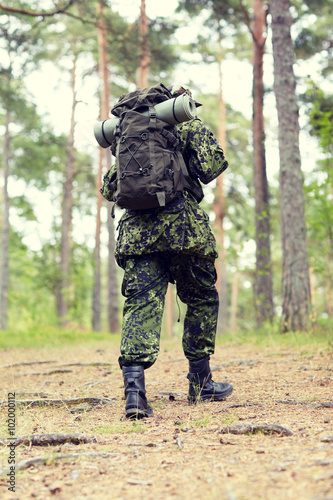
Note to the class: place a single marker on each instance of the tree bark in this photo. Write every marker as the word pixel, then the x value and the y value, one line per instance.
pixel 96 320
pixel 101 38
pixel 296 295
pixel 144 62
pixel 112 285
pixel 263 287
pixel 67 203
pixel 219 210
pixel 4 264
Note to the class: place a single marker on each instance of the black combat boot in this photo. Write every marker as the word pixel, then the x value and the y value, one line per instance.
pixel 136 402
pixel 202 387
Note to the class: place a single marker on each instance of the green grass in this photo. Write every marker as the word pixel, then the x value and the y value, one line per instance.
pixel 268 336
pixel 127 427
pixel 55 337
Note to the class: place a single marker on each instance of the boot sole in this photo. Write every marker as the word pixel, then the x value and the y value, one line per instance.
pixel 134 413
pixel 214 397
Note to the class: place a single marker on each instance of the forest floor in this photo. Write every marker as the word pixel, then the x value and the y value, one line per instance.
pixel 271 439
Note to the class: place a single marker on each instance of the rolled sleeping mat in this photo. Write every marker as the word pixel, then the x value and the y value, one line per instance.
pixel 173 111
pixel 178 110
pixel 104 131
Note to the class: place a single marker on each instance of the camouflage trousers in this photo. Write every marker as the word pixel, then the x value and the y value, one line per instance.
pixel 144 286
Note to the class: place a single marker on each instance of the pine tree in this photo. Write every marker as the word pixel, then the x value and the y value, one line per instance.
pixel 296 297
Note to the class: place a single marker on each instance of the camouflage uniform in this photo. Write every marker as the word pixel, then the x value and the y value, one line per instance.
pixel 172 244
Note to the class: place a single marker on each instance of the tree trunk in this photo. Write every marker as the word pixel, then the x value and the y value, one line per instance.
pixel 96 320
pixel 296 294
pixel 4 264
pixel 62 292
pixel 263 287
pixel 144 62
pixel 219 210
pixel 112 288
pixel 101 38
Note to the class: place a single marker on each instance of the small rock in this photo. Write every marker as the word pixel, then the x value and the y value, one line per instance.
pixel 327 439
pixel 75 474
pixel 55 488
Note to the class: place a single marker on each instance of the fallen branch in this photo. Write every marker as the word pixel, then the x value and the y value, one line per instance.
pixel 51 372
pixel 58 402
pixel 48 459
pixel 255 428
pixel 40 394
pixel 51 439
pixel 325 404
pixel 149 445
pixel 26 363
pixel 327 439
pixel 13 10
pixel 321 463
pixel 241 405
pixel 169 393
pixel 319 404
pixel 139 482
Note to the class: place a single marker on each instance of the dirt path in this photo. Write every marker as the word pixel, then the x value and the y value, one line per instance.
pixel 183 452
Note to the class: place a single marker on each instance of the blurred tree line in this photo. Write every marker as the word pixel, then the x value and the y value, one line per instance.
pixel 275 241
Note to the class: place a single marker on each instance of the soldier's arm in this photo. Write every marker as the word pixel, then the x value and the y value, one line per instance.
pixel 203 151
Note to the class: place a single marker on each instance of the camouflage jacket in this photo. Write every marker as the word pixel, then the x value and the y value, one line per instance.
pixel 181 226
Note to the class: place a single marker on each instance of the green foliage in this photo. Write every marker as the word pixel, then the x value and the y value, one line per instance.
pixel 321 117
pixel 319 197
pixel 227 12
pixel 29 305
pixel 315 31
pixel 221 22
pixel 23 208
pixel 44 336
pixel 164 54
pixel 38 155
pixel 269 335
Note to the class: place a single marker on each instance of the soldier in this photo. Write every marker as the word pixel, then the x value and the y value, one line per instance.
pixel 172 244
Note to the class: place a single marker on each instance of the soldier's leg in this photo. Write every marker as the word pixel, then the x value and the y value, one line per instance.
pixel 196 278
pixel 144 287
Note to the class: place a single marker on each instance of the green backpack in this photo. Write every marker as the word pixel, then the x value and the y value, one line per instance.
pixel 150 169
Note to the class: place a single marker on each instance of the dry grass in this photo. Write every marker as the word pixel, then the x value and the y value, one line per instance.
pixel 181 452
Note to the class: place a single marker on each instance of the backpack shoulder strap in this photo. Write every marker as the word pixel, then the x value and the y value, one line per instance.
pixel 152 127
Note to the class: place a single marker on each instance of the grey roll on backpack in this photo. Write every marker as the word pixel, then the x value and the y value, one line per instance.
pixel 150 169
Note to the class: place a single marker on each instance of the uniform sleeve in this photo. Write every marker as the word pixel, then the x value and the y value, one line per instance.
pixel 202 151
pixel 109 185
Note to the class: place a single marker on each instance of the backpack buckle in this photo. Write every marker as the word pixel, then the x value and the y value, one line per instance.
pixel 144 171
pixel 152 112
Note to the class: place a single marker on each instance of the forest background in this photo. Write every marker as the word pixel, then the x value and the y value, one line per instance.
pixel 263 71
